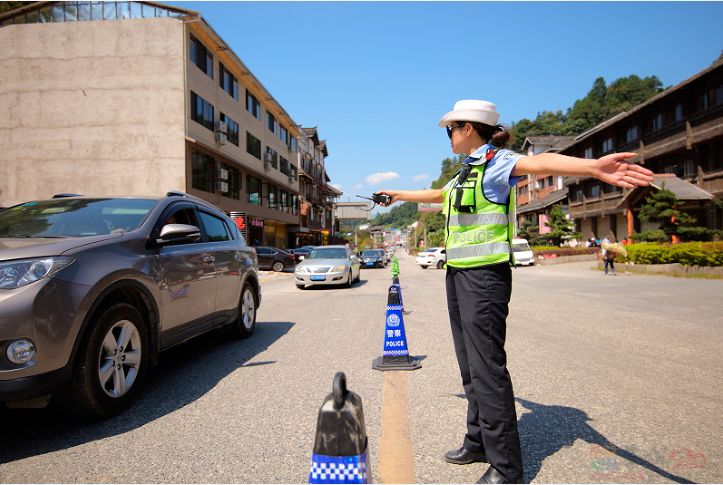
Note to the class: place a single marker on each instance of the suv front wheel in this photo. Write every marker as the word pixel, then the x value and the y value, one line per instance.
pixel 244 326
pixel 109 367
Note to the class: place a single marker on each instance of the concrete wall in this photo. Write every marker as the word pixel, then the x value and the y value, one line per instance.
pixel 94 107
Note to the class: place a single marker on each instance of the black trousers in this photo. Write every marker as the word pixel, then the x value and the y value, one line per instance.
pixel 478 301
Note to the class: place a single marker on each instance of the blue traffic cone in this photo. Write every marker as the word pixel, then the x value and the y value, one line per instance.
pixel 395 355
pixel 341 450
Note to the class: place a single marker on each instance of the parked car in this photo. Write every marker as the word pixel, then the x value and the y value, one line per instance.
pixel 274 258
pixel 300 253
pixel 92 289
pixel 431 257
pixel 523 253
pixel 328 265
pixel 374 258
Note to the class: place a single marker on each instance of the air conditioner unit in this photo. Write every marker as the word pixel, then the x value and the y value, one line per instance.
pixel 221 187
pixel 267 165
pixel 291 179
pixel 221 138
pixel 221 126
pixel 268 157
pixel 291 149
pixel 222 174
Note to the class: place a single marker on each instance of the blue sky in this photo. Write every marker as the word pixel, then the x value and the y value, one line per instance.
pixel 376 77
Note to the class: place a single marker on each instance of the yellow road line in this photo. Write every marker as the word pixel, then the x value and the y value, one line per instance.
pixel 395 448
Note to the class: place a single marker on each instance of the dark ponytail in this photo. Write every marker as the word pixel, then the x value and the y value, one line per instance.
pixel 495 135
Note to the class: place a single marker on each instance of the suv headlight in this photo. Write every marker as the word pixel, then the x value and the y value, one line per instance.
pixel 21 272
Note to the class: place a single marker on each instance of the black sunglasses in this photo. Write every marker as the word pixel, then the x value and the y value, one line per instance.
pixel 450 128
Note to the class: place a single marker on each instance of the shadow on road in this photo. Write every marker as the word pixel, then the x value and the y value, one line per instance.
pixel 184 374
pixel 547 429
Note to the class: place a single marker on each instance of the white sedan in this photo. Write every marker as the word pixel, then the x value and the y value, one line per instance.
pixel 432 257
pixel 328 265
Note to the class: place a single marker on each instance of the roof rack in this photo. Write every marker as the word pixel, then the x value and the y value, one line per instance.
pixel 178 193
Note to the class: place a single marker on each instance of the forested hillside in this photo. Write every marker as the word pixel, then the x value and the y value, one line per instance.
pixel 602 102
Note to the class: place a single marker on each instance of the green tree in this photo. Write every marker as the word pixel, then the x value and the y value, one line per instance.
pixel 662 207
pixel 561 226
pixel 449 168
pixel 528 230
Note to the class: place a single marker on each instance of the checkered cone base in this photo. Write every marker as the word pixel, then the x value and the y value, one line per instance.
pixel 340 469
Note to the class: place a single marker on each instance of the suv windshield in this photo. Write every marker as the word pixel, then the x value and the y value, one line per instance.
pixel 74 217
pixel 327 253
pixel 372 253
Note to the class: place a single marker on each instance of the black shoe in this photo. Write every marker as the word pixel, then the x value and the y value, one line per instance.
pixel 463 456
pixel 493 476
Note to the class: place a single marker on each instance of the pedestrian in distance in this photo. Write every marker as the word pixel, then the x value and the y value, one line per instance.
pixel 478 205
pixel 609 260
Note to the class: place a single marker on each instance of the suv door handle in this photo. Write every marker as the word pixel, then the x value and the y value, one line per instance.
pixel 208 259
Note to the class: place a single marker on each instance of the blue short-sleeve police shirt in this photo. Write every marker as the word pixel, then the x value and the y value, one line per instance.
pixel 497 179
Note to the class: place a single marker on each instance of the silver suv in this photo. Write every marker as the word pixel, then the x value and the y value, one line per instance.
pixel 92 289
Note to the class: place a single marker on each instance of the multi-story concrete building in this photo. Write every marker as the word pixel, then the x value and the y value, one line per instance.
pixel 134 98
pixel 317 196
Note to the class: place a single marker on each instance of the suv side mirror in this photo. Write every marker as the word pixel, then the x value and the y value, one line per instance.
pixel 179 233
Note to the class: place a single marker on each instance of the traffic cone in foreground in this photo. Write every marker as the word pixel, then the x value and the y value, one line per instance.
pixel 341 451
pixel 396 354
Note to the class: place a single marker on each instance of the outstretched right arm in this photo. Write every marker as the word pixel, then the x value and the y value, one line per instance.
pixel 426 196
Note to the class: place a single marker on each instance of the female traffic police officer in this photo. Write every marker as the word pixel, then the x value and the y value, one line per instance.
pixel 479 209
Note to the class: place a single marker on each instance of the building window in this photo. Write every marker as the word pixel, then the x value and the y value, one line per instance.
pixel 550 182
pixel 233 179
pixel 271 123
pixel 576 195
pixel 253 145
pixel 719 95
pixel 295 205
pixel 253 106
pixel 284 165
pixel 284 201
pixel 284 135
pixel 294 146
pixel 231 129
pixel 73 11
pixel 253 190
pixel 607 145
pixel 202 167
pixel 631 134
pixel 293 172
pixel 227 81
pixel 587 153
pixel 703 101
pixel 272 156
pixel 594 191
pixel 679 112
pixel 201 57
pixel 656 122
pixel 201 111
pixel 272 200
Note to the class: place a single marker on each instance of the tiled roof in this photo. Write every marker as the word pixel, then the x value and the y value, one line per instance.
pixel 544 202
pixel 683 190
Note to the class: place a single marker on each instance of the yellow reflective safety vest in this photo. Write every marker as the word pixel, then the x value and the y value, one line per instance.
pixel 478 231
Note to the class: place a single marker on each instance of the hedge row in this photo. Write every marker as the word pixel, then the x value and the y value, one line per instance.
pixel 565 251
pixel 687 254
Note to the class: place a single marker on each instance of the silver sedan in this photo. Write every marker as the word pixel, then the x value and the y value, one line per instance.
pixel 328 265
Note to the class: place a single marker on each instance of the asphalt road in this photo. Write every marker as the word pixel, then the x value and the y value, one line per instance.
pixel 618 380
